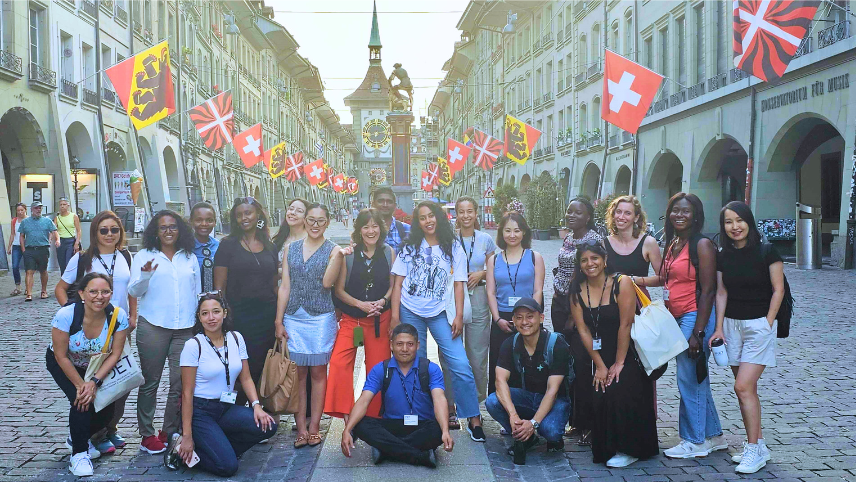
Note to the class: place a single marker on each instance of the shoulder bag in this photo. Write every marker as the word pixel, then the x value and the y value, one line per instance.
pixel 656 334
pixel 278 383
pixel 124 377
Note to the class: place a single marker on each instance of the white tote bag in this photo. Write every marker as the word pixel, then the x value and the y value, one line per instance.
pixel 656 334
pixel 124 377
pixel 451 310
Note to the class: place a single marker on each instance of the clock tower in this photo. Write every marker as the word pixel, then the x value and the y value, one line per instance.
pixel 369 106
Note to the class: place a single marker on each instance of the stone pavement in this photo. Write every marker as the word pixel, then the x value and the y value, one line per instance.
pixel 809 404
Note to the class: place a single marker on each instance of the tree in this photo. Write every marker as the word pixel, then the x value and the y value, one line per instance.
pixel 503 195
pixel 541 203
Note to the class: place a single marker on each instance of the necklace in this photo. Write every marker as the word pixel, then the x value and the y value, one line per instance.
pixel 247 245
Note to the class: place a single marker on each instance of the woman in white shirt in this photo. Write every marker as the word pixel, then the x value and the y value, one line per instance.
pixel 166 280
pixel 106 255
pixel 212 425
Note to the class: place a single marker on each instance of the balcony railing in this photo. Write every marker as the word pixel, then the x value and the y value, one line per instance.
pixel 537 45
pixel 581 145
pixel 138 27
pixel 68 88
pixel 579 7
pixel 121 14
pixel 498 110
pixel 626 137
pixel 736 75
pixel 580 78
pixel 148 37
pixel 568 31
pixel 593 69
pixel 519 106
pixel 548 39
pixel 527 104
pixel 716 81
pixel 89 8
pixel 108 95
pixel 11 62
pixel 805 47
pixel 107 6
pixel 594 141
pixel 548 150
pixel 548 97
pixel 697 90
pixel 613 140
pixel 537 153
pixel 89 97
pixel 42 75
pixel 835 33
pixel 560 86
pixel 560 35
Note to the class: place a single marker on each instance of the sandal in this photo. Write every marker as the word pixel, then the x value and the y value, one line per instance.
pixel 44 295
pixel 454 424
pixel 585 439
pixel 15 292
pixel 300 442
pixel 314 439
pixel 29 297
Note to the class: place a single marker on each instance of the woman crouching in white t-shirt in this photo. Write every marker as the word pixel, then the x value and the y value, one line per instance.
pixel 213 426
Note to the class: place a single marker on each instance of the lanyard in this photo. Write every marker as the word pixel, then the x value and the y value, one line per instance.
pixel 595 320
pixel 225 361
pixel 472 249
pixel 671 258
pixel 404 389
pixel 513 282
pixel 112 265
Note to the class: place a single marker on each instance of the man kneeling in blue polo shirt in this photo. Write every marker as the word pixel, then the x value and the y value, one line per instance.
pixel 414 408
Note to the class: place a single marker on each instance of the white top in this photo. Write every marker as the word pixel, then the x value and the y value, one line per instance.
pixel 167 296
pixel 80 348
pixel 16 239
pixel 426 277
pixel 121 275
pixel 210 373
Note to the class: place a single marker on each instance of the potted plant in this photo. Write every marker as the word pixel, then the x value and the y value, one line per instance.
pixel 503 195
pixel 541 205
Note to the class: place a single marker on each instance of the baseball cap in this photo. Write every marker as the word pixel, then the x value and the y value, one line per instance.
pixel 528 303
pixel 36 204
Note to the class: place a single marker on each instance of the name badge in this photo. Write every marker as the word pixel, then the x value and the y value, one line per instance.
pixel 665 294
pixel 411 420
pixel 512 300
pixel 228 397
pixel 595 344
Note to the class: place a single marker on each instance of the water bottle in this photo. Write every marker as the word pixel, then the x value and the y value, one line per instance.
pixel 717 347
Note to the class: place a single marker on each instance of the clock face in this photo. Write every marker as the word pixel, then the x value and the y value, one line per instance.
pixel 376 133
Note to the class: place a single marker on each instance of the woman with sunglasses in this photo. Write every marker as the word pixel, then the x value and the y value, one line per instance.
pixel 107 255
pixel 580 217
pixel 306 316
pixel 165 279
pixel 14 247
pixel 430 257
pixel 68 229
pixel 293 228
pixel 245 272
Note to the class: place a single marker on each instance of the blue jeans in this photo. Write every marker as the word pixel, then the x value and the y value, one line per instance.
pixel 221 433
pixel 65 252
pixel 527 403
pixel 698 419
pixel 454 356
pixel 17 258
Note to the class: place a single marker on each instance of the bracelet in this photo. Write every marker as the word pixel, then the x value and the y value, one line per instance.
pixel 253 405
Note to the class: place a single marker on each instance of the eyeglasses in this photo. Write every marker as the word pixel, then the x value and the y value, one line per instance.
pixel 316 222
pixel 104 293
pixel 113 230
pixel 171 227
pixel 216 293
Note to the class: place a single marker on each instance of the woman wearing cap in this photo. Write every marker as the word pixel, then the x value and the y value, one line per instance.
pixel 68 228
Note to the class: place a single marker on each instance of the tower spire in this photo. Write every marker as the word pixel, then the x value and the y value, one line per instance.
pixel 374 41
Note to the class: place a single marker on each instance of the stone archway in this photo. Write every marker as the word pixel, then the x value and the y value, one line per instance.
pixel 591 178
pixel 116 158
pixel 665 179
pixel 82 155
pixel 524 183
pixel 173 181
pixel 622 181
pixel 152 170
pixel 24 151
pixel 720 175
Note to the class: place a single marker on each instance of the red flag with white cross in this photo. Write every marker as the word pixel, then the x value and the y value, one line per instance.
pixel 427 183
pixel 457 154
pixel 339 182
pixel 248 145
pixel 629 90
pixel 315 172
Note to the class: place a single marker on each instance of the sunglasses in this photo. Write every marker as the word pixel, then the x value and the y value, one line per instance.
pixel 245 200
pixel 113 230
pixel 216 293
pixel 590 243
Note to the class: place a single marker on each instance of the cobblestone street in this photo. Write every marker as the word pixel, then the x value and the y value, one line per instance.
pixel 809 404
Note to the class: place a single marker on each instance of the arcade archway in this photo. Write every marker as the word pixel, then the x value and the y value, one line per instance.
pixel 591 178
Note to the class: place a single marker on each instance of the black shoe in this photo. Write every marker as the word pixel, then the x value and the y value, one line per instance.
pixel 377 456
pixel 476 433
pixel 556 446
pixel 518 452
pixel 171 459
pixel 431 459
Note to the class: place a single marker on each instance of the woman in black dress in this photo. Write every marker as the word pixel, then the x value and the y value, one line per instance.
pixel 629 248
pixel 245 270
pixel 624 423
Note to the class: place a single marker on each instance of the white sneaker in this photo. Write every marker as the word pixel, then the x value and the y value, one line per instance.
pixel 688 450
pixel 93 452
pixel 765 452
pixel 752 460
pixel 80 465
pixel 717 443
pixel 620 460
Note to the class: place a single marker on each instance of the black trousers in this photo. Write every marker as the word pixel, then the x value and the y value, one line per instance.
pixel 582 414
pixel 82 425
pixel 397 441
pixel 497 338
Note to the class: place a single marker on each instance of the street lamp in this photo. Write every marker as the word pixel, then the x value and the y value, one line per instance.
pixel 75 170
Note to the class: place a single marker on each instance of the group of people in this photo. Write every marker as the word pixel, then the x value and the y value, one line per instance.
pixel 195 299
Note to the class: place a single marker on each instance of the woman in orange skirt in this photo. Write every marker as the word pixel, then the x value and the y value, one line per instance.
pixel 362 295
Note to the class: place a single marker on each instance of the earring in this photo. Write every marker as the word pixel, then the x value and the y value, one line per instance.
pixel 260 224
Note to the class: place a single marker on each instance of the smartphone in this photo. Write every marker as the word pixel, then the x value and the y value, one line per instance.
pixel 193 460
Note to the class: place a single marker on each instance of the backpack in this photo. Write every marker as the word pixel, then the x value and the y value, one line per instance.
pixel 349 262
pixel 83 260
pixel 693 246
pixel 77 319
pixel 387 377
pixel 200 344
pixel 786 309
pixel 548 359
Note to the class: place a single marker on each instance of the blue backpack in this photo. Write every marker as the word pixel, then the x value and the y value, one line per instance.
pixel 548 359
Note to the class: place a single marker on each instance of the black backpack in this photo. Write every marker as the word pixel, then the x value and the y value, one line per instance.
pixel 786 309
pixel 422 372
pixel 83 260
pixel 548 359
pixel 77 319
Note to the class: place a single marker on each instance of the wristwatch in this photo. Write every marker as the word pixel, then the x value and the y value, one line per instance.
pixel 97 381
pixel 700 334
pixel 253 405
pixel 535 424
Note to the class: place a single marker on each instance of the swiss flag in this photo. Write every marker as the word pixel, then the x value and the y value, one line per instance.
pixel 629 90
pixel 339 182
pixel 351 185
pixel 427 183
pixel 457 155
pixel 248 145
pixel 315 172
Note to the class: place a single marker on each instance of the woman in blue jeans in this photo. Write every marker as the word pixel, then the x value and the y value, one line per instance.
pixel 213 426
pixel 430 257
pixel 14 247
pixel 689 273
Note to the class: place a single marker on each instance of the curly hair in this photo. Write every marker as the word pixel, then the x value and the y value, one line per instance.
pixel 151 240
pixel 227 325
pixel 366 215
pixel 638 227
pixel 444 231
pixel 589 208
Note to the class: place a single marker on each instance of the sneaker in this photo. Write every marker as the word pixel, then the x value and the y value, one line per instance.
pixel 377 456
pixel 687 450
pixel 717 443
pixel 171 460
pixel 502 431
pixel 519 449
pixel 765 452
pixel 620 460
pixel 476 433
pixel 163 437
pixel 752 460
pixel 80 465
pixel 93 452
pixel 116 440
pixel 105 446
pixel 152 444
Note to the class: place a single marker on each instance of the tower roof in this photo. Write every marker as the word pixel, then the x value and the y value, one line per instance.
pixel 374 41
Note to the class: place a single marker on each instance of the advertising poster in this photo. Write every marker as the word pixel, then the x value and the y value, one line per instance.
pixel 122 189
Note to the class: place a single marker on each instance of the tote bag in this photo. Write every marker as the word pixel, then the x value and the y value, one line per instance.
pixel 451 310
pixel 124 377
pixel 656 334
pixel 278 384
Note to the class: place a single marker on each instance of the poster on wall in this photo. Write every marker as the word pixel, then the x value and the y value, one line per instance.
pixel 38 187
pixel 122 189
pixel 87 194
pixel 139 219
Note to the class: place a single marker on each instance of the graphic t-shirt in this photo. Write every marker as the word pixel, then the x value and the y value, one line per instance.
pixel 80 348
pixel 426 276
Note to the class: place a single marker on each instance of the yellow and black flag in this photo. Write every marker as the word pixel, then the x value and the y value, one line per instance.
pixel 144 85
pixel 520 139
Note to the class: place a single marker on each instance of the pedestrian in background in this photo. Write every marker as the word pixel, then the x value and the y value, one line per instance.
pixel 37 233
pixel 245 273
pixel 689 274
pixel 363 292
pixel 107 255
pixel 14 246
pixel 516 272
pixel 306 316
pixel 203 219
pixel 750 290
pixel 165 280
pixel 343 213
pixel 624 423
pixel 384 200
pixel 293 228
pixel 68 229
pixel 580 218
pixel 78 332
pixel 429 258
